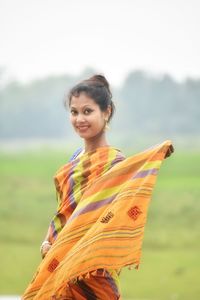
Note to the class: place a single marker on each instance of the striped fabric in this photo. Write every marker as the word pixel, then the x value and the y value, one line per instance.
pixel 103 200
pixel 73 179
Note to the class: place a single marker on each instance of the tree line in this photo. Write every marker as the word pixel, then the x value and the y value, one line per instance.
pixel 145 106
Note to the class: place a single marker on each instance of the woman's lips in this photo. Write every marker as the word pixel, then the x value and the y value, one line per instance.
pixel 82 128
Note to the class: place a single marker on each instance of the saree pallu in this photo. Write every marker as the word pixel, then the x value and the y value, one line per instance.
pixel 103 199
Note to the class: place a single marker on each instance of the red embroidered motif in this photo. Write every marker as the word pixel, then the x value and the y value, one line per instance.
pixel 134 212
pixel 53 265
pixel 107 218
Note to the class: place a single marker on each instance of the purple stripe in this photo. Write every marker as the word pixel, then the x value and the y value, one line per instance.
pixel 91 207
pixel 54 231
pixel 75 154
pixel 71 197
pixel 72 183
pixel 118 159
pixel 112 283
pixel 145 173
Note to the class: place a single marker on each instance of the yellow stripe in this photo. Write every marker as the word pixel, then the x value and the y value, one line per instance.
pixel 100 195
pixel 151 165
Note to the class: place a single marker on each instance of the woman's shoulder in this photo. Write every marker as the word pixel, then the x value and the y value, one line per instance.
pixel 118 153
pixel 75 154
pixel 119 156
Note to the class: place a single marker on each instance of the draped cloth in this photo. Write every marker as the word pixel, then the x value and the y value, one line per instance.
pixel 103 202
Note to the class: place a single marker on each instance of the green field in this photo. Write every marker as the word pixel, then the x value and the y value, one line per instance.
pixel 170 264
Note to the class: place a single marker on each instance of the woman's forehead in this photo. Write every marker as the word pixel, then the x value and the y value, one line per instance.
pixel 81 101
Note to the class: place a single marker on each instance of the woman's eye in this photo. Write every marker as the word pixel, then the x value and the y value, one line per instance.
pixel 73 112
pixel 87 111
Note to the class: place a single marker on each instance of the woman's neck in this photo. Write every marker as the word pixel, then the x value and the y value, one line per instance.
pixel 95 142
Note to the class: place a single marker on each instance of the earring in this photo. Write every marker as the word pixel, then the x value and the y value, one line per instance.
pixel 106 125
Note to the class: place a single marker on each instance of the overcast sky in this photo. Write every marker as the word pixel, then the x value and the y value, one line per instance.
pixel 44 37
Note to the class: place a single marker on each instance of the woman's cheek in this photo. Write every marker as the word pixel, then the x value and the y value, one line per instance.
pixel 72 120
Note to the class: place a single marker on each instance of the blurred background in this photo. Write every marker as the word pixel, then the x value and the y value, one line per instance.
pixel 149 52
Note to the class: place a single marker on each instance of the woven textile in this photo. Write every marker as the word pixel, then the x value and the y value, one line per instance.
pixel 104 199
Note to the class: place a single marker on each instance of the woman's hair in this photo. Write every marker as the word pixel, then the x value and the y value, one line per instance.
pixel 98 89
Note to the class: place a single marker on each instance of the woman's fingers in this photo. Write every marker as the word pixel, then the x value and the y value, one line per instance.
pixel 45 249
pixel 169 151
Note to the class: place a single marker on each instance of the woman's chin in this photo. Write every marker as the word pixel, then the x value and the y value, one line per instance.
pixel 84 135
pixel 89 135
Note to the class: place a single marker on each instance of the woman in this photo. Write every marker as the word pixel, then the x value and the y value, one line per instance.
pixel 102 206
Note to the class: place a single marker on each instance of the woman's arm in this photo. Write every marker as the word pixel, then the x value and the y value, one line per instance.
pixel 58 218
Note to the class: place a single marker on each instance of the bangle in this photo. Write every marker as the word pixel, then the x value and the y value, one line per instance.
pixel 44 243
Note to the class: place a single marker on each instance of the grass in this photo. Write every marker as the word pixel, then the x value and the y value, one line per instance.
pixel 170 265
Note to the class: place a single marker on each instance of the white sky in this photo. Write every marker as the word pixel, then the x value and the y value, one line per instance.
pixel 44 37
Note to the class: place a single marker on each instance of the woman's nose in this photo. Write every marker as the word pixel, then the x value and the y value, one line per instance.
pixel 80 118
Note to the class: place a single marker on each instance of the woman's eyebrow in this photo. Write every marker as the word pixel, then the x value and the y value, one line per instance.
pixel 84 106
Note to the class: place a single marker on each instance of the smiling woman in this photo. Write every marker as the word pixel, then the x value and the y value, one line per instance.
pixel 102 206
pixel 91 109
pixel 87 118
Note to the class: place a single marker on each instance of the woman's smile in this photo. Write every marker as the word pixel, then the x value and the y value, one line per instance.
pixel 82 128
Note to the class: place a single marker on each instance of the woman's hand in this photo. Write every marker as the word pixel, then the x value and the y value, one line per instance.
pixel 45 247
pixel 169 151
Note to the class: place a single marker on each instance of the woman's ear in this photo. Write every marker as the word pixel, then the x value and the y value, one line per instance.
pixel 108 112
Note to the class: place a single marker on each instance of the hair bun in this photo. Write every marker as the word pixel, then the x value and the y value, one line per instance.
pixel 100 78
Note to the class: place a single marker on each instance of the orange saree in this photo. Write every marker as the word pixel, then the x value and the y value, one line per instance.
pixel 99 227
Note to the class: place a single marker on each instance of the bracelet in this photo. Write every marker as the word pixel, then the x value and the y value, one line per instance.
pixel 44 243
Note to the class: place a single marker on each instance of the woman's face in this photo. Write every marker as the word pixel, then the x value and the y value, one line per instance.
pixel 86 116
